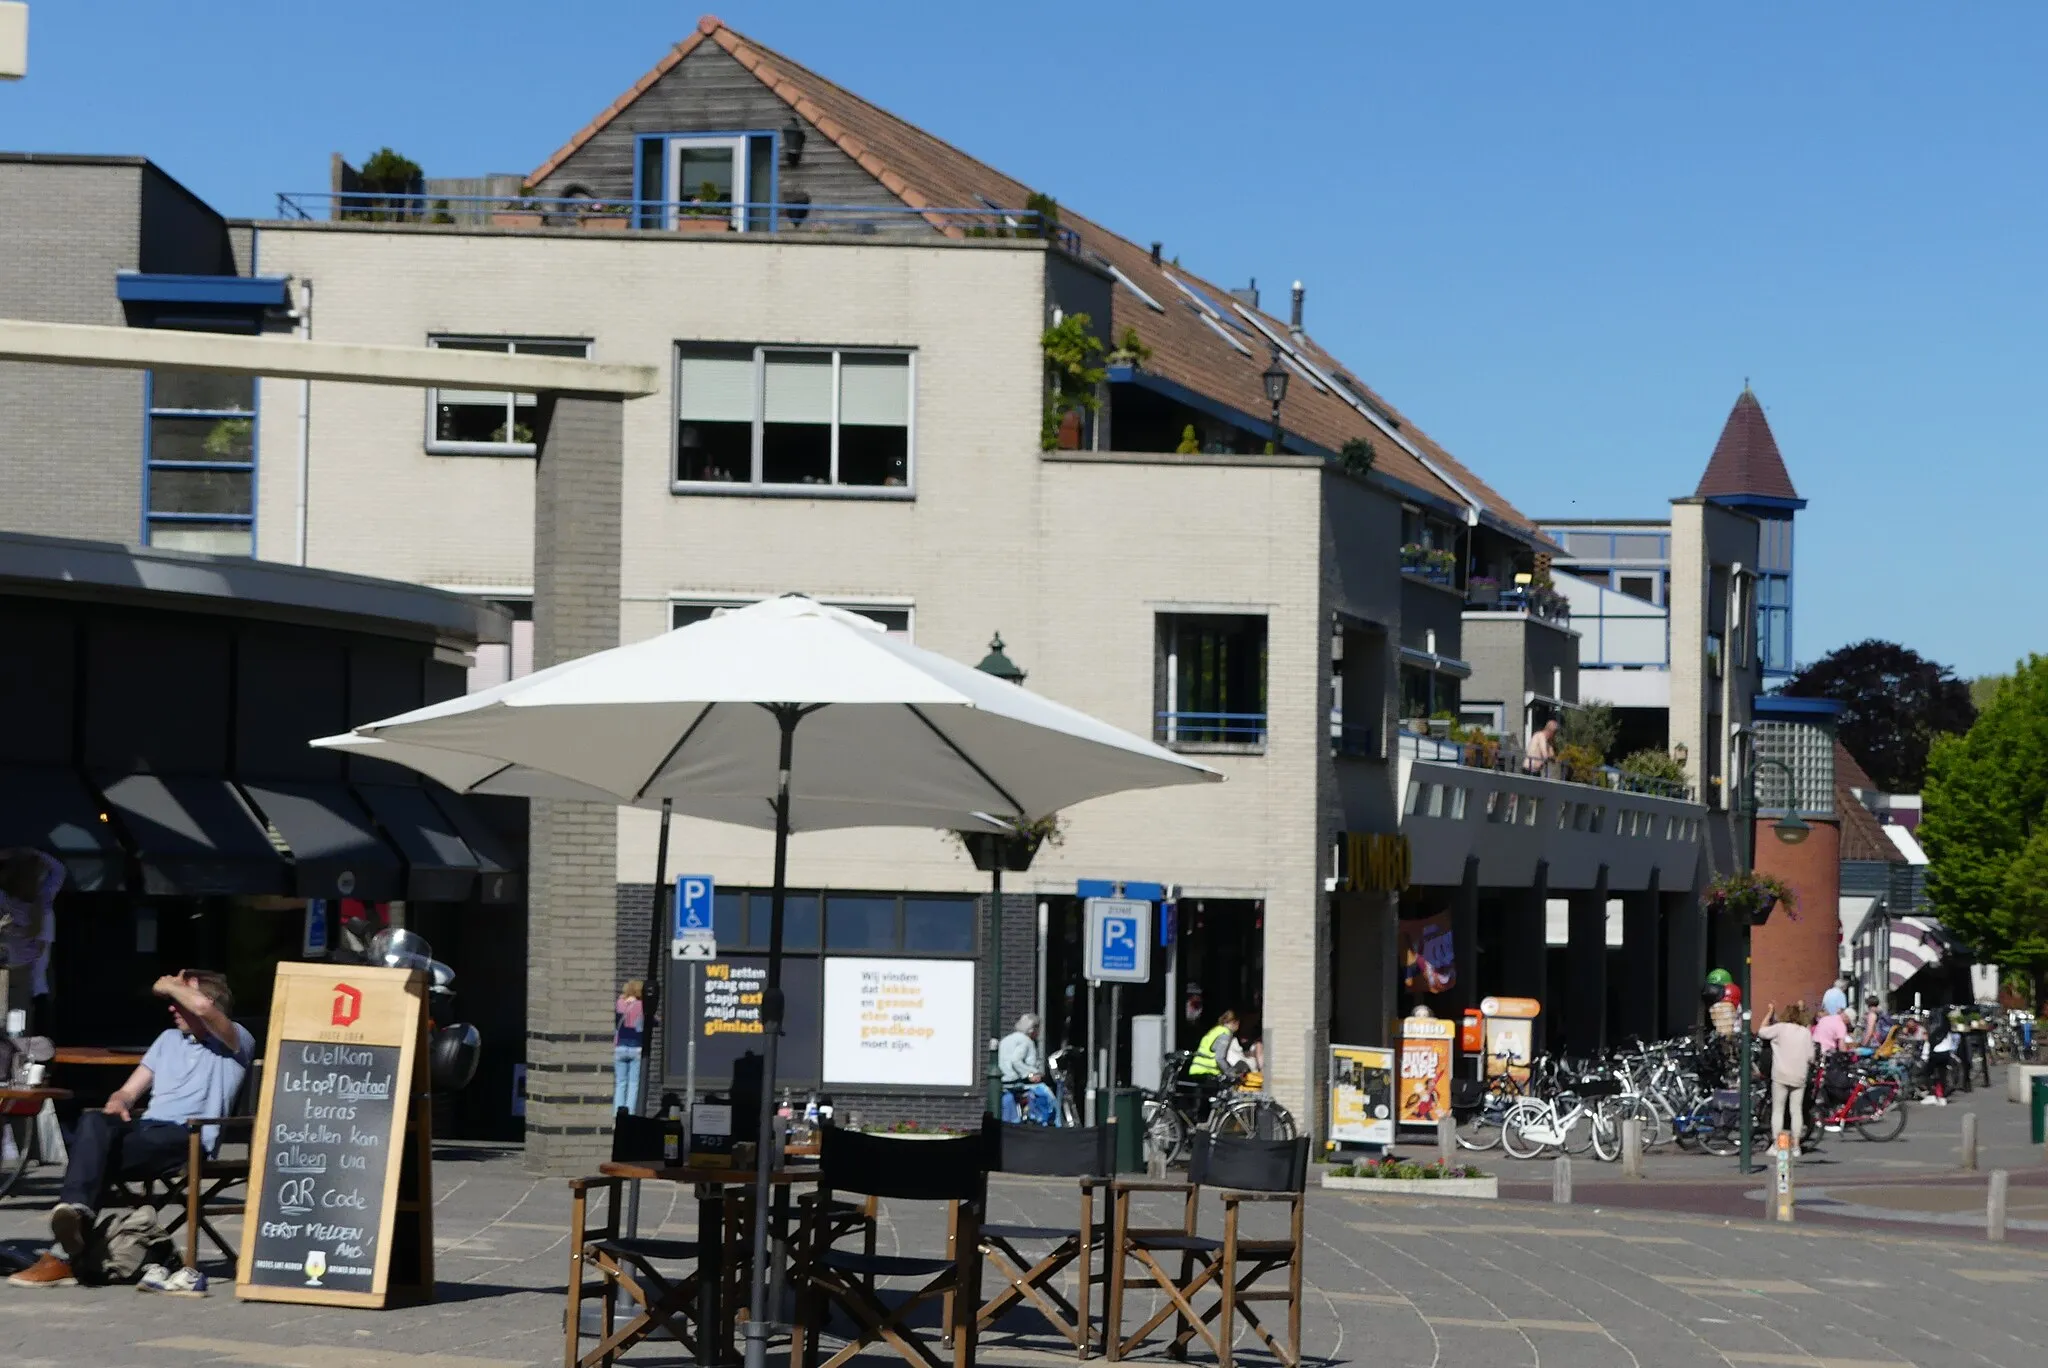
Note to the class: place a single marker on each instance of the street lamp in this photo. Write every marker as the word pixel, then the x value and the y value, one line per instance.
pixel 1275 378
pixel 1790 830
pixel 993 852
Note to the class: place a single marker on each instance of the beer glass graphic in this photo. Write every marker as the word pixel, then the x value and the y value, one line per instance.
pixel 316 1266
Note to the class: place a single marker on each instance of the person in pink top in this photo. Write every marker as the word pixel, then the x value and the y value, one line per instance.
pixel 1831 1032
pixel 1791 1046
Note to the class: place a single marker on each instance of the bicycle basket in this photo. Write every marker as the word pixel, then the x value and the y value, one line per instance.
pixel 1592 1089
pixel 1467 1094
pixel 1252 1082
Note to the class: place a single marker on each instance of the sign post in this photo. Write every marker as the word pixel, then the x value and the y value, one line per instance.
pixel 340 1205
pixel 1119 952
pixel 695 938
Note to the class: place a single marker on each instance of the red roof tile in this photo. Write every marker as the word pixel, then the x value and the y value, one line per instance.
pixel 1746 459
pixel 925 171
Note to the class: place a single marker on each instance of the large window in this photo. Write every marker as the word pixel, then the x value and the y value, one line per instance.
pixel 814 419
pixel 854 923
pixel 895 618
pixel 490 422
pixel 199 462
pixel 721 182
pixel 1212 680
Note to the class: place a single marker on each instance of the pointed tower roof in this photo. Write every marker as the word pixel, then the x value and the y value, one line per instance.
pixel 1746 464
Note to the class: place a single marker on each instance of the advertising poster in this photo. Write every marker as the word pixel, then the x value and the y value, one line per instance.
pixel 1361 1095
pixel 728 1021
pixel 1510 1035
pixel 1424 1090
pixel 1429 964
pixel 907 1022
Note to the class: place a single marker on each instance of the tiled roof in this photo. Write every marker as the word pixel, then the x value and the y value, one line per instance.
pixel 925 171
pixel 1863 835
pixel 1746 459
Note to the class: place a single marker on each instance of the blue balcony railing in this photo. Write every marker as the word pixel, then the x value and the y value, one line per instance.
pixel 1212 729
pixel 1505 757
pixel 666 216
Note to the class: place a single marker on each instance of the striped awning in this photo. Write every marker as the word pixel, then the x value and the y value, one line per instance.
pixel 1916 943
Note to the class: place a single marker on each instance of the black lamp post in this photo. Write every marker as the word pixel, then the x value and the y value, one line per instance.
pixel 1275 378
pixel 1790 830
pixel 994 853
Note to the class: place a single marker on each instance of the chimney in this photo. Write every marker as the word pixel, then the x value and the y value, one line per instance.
pixel 1155 252
pixel 1249 295
pixel 1294 319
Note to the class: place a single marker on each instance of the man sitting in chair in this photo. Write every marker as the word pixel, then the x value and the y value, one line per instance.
pixel 1024 1072
pixel 193 1070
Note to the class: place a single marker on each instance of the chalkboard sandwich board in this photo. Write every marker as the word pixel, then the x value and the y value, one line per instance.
pixel 340 1184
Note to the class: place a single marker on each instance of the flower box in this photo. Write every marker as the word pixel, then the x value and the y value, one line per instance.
pixel 514 219
pixel 1486 1189
pixel 606 223
pixel 716 224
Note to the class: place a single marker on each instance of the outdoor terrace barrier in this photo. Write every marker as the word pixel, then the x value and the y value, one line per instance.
pixel 667 216
pixel 1494 753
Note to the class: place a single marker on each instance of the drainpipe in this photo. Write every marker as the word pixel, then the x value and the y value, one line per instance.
pixel 305 331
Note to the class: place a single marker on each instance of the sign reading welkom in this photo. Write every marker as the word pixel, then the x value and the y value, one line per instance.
pixel 339 1208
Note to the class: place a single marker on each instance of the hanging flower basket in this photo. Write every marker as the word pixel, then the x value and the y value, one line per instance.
pixel 1012 852
pixel 1752 897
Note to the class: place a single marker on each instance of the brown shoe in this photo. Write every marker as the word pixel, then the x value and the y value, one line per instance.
pixel 48 1271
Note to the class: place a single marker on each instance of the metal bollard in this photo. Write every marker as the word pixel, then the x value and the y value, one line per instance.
pixel 1631 1147
pixel 1561 1180
pixel 1781 1200
pixel 1994 1208
pixel 1446 1140
pixel 1969 1142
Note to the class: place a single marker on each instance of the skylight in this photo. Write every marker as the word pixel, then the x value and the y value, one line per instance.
pixel 1222 332
pixel 1205 304
pixel 1132 286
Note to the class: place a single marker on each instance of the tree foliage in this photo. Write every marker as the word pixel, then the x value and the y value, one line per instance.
pixel 1986 825
pixel 1592 726
pixel 1894 701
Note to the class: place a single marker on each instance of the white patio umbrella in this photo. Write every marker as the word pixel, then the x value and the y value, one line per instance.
pixel 706 720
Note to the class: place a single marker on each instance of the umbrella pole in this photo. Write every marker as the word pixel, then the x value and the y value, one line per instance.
pixel 766 1160
pixel 650 998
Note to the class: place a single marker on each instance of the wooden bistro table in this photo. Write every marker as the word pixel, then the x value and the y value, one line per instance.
pixel 713 1185
pixel 117 1057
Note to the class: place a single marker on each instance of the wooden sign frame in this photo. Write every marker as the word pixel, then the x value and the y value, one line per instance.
pixel 341 1004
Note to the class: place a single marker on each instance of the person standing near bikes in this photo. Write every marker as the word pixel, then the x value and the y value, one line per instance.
pixel 1024 1072
pixel 1791 1045
pixel 1219 1055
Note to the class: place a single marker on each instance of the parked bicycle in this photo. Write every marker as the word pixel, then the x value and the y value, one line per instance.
pixel 1186 1103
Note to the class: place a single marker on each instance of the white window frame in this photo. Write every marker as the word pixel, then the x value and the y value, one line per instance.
pixel 756 486
pixel 437 447
pixel 672 158
pixel 869 605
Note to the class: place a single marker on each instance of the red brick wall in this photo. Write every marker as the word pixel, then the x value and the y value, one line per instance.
pixel 1795 960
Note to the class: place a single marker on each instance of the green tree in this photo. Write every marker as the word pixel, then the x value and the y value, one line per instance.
pixel 1591 725
pixel 1986 826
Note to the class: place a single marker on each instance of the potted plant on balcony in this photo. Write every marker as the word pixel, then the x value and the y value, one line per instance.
pixel 517 213
pixel 1074 376
pixel 603 216
pixel 1130 350
pixel 1411 556
pixel 1752 896
pixel 1482 591
pixel 1439 566
pixel 710 212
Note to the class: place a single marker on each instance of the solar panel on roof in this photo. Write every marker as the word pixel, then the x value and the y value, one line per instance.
pixel 1207 305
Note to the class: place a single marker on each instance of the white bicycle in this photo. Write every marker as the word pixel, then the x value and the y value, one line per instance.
pixel 1572 1121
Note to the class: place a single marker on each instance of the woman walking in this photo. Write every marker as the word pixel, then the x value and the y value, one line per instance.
pixel 629 1030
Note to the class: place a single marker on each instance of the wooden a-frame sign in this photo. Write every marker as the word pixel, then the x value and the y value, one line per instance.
pixel 340 1208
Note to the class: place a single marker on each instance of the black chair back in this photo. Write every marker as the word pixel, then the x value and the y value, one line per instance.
pixel 1048 1151
pixel 638 1139
pixel 907 1170
pixel 1230 1161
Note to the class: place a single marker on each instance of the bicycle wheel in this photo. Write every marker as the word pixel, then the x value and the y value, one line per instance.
pixel 1888 1124
pixel 1521 1118
pixel 1070 1112
pixel 21 1137
pixel 1253 1116
pixel 1632 1107
pixel 1721 1140
pixel 1166 1135
pixel 1605 1127
pixel 1578 1134
pixel 1480 1130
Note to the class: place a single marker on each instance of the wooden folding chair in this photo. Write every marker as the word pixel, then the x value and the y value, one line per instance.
pixel 197 1192
pixel 1083 1154
pixel 1229 1270
pixel 951 1171
pixel 628 1265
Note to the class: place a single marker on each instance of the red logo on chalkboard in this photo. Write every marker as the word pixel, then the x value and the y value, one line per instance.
pixel 348 1004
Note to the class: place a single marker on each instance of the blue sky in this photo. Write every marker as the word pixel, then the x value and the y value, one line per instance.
pixel 1558 236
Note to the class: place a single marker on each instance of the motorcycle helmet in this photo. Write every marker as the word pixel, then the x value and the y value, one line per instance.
pixel 1720 977
pixel 453 1056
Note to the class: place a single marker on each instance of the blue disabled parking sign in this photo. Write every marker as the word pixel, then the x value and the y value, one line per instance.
pixel 695 936
pixel 1119 940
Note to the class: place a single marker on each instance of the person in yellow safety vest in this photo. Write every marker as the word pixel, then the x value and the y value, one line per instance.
pixel 1219 1053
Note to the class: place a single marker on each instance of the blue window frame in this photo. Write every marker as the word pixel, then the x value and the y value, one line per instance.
pixel 934 924
pixel 742 167
pixel 199 462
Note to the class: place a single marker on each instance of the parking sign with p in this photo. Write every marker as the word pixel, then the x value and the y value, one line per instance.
pixel 695 936
pixel 1119 940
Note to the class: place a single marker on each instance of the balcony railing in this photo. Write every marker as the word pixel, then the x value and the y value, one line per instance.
pixel 1545 604
pixel 1505 757
pixel 666 216
pixel 1212 729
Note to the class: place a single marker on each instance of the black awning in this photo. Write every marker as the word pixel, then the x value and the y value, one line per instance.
pixel 440 867
pixel 195 836
pixel 51 809
pixel 335 853
pixel 501 873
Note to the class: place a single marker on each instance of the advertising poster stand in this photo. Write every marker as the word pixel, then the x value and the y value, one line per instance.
pixel 1361 1103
